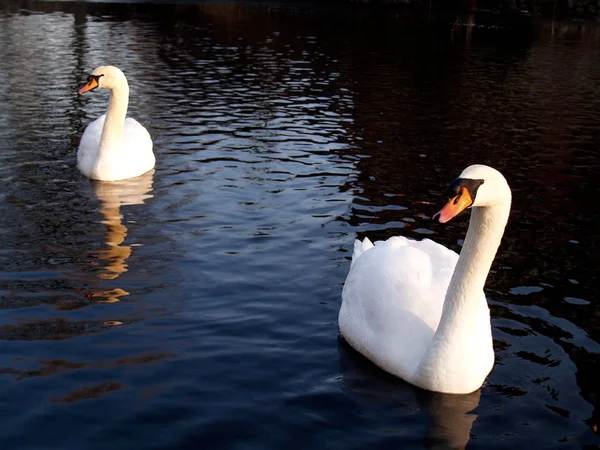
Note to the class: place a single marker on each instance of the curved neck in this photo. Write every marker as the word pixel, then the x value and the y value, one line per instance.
pixel 115 119
pixel 465 291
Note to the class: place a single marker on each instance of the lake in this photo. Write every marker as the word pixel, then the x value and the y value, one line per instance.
pixel 196 306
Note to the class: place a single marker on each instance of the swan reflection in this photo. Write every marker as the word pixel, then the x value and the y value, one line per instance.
pixel 112 196
pixel 450 416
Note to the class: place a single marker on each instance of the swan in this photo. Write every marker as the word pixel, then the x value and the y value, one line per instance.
pixel 417 309
pixel 112 147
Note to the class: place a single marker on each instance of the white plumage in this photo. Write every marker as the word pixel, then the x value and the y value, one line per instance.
pixel 416 309
pixel 113 147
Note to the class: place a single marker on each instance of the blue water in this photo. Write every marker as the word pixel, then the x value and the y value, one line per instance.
pixel 196 307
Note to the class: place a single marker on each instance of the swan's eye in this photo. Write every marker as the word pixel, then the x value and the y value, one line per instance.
pixel 94 77
pixel 457 198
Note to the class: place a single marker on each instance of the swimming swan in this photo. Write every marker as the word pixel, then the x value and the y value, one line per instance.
pixel 417 309
pixel 112 147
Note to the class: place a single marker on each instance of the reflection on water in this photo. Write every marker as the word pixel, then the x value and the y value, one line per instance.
pixel 112 196
pixel 449 417
pixel 281 134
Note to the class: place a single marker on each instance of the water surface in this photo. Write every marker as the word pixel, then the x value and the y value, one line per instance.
pixel 196 306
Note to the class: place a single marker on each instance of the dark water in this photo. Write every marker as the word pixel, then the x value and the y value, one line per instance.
pixel 196 307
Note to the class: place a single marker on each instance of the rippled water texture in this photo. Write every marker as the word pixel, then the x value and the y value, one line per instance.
pixel 196 307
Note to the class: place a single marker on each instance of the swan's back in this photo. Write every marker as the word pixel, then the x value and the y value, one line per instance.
pixel 393 298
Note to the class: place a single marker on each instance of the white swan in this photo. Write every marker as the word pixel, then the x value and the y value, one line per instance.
pixel 112 147
pixel 417 309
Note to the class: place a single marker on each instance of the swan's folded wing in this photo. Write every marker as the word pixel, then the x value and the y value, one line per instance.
pixel 360 247
pixel 137 147
pixel 401 274
pixel 443 259
pixel 136 138
pixel 392 300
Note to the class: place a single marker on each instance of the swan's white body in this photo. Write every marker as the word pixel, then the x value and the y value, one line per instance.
pixel 417 309
pixel 113 147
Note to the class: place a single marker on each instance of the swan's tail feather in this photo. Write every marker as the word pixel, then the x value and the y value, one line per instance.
pixel 360 248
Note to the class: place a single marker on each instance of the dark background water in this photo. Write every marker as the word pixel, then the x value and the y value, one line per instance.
pixel 196 307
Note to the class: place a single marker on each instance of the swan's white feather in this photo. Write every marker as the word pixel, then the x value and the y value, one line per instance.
pixel 417 309
pixel 114 147
pixel 360 247
pixel 134 157
pixel 392 300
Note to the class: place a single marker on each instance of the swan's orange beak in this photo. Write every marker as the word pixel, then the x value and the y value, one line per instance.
pixel 455 206
pixel 91 84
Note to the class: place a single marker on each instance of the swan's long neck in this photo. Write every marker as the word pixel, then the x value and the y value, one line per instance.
pixel 460 354
pixel 464 295
pixel 115 120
